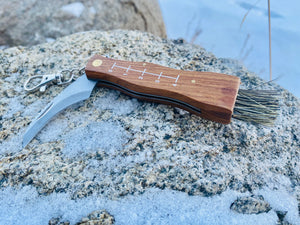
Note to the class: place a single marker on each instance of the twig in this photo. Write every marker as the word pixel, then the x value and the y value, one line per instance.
pixel 244 18
pixel 270 45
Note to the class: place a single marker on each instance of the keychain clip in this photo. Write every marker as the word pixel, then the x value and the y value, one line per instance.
pixel 41 81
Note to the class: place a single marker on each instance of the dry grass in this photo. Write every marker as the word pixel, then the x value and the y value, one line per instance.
pixel 269 27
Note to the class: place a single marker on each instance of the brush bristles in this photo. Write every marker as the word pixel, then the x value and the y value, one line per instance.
pixel 257 106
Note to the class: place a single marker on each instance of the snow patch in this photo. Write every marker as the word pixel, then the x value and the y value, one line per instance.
pixel 155 206
pixel 13 144
pixel 14 106
pixel 50 40
pixel 112 101
pixel 75 8
pixel 106 136
pixel 282 201
pixel 2 47
pixel 92 10
pixel 34 108
pixel 53 130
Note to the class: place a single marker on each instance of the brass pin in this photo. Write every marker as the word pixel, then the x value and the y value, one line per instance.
pixel 97 62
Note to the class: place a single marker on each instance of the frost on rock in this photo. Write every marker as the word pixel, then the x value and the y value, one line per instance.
pixel 14 106
pixel 105 136
pixel 13 145
pixel 53 130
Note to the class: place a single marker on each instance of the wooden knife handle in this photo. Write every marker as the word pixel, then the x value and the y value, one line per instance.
pixel 209 95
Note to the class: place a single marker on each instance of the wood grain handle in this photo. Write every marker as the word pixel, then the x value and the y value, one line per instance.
pixel 209 95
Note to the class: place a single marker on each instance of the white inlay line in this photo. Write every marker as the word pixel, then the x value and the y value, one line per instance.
pixel 112 67
pixel 157 81
pixel 175 84
pixel 141 77
pixel 128 68
pixel 159 75
pixel 144 72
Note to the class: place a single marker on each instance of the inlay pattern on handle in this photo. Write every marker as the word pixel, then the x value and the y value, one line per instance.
pixel 210 95
pixel 115 68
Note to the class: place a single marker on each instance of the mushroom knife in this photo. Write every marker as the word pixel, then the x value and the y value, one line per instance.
pixel 207 94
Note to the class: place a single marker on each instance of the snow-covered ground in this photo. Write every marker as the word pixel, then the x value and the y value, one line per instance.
pixel 153 207
pixel 220 27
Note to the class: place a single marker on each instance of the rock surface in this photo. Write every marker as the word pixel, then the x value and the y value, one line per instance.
pixel 31 22
pixel 250 205
pixel 99 217
pixel 113 145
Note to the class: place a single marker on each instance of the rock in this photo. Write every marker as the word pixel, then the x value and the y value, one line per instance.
pixel 57 221
pixel 101 217
pixel 281 218
pixel 113 145
pixel 281 215
pixel 31 22
pixel 250 205
pixel 98 217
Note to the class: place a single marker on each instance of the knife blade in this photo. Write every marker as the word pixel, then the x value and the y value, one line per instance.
pixel 79 90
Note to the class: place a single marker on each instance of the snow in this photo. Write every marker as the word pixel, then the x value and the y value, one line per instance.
pixel 155 206
pixel 53 130
pixel 92 10
pixel 112 101
pixel 13 145
pixel 2 47
pixel 50 40
pixel 14 105
pixel 281 201
pixel 106 136
pixel 75 8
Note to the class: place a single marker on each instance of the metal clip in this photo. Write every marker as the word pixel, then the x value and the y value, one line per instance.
pixel 41 81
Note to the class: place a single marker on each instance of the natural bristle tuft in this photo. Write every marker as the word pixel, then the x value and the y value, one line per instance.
pixel 257 106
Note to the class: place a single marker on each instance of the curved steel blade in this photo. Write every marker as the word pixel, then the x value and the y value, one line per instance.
pixel 79 90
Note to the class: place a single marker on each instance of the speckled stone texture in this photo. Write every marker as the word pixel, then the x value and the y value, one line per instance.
pixel 113 145
pixel 97 218
pixel 100 217
pixel 250 205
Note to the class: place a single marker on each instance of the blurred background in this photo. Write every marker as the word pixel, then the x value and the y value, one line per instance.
pixel 235 29
pixel 238 29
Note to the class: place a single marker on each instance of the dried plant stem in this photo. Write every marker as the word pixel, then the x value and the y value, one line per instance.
pixel 270 43
pixel 244 18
